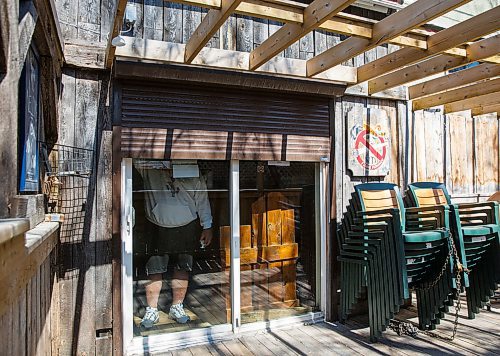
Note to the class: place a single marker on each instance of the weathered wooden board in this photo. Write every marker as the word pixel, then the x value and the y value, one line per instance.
pixel 461 179
pixel 486 153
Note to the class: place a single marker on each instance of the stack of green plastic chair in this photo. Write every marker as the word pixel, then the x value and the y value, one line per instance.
pixel 476 231
pixel 388 250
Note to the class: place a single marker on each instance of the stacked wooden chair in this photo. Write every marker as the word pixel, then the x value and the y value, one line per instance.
pixel 387 249
pixel 476 231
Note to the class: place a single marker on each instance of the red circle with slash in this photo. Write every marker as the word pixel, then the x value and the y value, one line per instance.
pixel 376 149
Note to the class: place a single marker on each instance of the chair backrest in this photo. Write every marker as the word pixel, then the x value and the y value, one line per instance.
pixel 429 194
pixel 495 197
pixel 379 196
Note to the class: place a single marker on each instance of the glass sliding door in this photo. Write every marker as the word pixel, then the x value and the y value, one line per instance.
pixel 180 269
pixel 278 239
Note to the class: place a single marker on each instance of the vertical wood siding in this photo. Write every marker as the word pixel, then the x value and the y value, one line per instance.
pixel 345 182
pixel 85 278
pixel 457 149
pixel 172 22
pixel 29 319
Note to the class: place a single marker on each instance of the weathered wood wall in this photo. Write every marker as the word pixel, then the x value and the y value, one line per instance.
pixel 344 181
pixel 9 77
pixel 458 149
pixel 173 22
pixel 29 302
pixel 85 279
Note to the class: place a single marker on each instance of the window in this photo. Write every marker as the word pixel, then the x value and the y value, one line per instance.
pixel 29 113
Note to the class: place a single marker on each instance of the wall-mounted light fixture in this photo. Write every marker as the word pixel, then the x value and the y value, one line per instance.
pixel 128 23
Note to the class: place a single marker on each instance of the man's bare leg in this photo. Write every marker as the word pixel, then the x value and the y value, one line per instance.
pixel 153 289
pixel 179 286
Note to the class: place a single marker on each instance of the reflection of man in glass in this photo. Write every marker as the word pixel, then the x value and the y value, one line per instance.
pixel 174 205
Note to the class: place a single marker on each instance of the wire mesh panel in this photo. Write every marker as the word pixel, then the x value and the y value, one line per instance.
pixel 67 172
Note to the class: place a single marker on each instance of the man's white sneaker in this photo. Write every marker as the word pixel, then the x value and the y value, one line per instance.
pixel 150 318
pixel 178 314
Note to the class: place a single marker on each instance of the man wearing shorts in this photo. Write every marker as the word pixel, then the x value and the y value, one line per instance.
pixel 174 205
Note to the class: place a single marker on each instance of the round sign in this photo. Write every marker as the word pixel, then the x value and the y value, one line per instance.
pixel 371 149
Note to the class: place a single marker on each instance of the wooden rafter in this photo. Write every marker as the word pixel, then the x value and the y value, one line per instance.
pixel 476 51
pixel 292 12
pixel 477 103
pixel 392 26
pixel 315 14
pixel 454 80
pixel 414 72
pixel 115 31
pixel 468 30
pixel 210 24
pixel 478 89
pixel 486 110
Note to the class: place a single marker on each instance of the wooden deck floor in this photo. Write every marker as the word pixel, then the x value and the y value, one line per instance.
pixel 480 336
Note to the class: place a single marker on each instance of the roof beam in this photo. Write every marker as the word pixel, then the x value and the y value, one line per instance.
pixel 343 23
pixel 478 89
pixel 414 72
pixel 115 31
pixel 392 26
pixel 477 51
pixel 486 110
pixel 454 80
pixel 477 103
pixel 315 14
pixel 212 21
pixel 468 30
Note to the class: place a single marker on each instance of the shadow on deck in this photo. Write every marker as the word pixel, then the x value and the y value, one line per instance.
pixel 480 336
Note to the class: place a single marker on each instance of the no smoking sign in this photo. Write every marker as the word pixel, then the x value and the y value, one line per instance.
pixel 369 142
pixel 371 150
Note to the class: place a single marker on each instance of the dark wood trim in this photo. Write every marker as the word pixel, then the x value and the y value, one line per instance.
pixel 116 217
pixel 332 264
pixel 235 79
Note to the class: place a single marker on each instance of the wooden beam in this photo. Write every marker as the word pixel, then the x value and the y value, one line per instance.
pixel 483 49
pixel 454 80
pixel 167 52
pixel 468 30
pixel 438 64
pixel 477 103
pixel 115 31
pixel 343 23
pixel 212 21
pixel 315 14
pixel 85 54
pixel 478 89
pixel 486 110
pixel 414 72
pixel 392 26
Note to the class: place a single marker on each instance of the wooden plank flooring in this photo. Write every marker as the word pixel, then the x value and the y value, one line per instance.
pixel 480 336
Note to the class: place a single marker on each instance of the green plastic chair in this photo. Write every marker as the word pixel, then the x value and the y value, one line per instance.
pixel 388 249
pixel 476 231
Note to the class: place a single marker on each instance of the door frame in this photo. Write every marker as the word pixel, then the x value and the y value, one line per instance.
pixel 163 342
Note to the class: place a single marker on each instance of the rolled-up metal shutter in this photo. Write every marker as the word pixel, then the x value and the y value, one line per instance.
pixel 181 121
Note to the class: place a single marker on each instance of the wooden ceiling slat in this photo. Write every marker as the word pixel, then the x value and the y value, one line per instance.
pixel 477 103
pixel 454 80
pixel 438 64
pixel 315 14
pixel 478 89
pixel 468 30
pixel 392 26
pixel 213 20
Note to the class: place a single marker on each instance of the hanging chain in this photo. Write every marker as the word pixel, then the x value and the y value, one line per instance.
pixel 407 328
